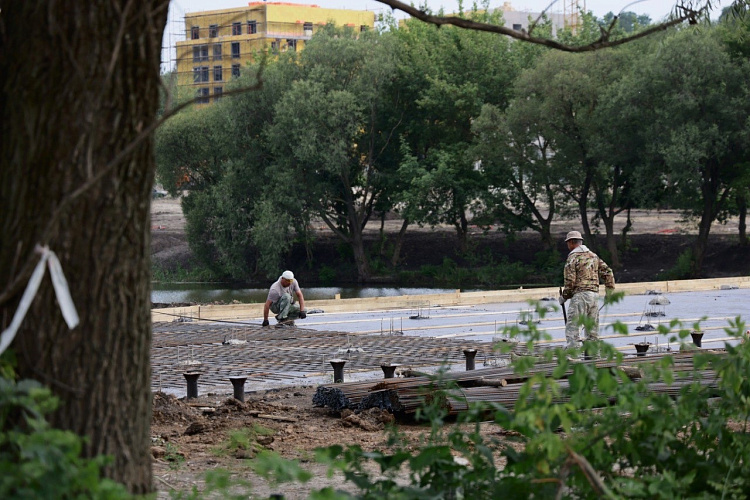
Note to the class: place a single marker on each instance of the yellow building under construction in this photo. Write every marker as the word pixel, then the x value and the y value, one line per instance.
pixel 219 43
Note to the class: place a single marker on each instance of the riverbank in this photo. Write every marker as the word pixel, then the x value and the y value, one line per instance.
pixel 430 257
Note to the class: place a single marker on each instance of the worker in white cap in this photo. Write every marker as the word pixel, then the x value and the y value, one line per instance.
pixel 583 271
pixel 281 300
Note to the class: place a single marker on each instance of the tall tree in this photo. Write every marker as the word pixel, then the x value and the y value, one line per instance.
pixel 80 90
pixel 734 32
pixel 691 100
pixel 225 152
pixel 446 76
pixel 560 98
pixel 514 151
pixel 329 135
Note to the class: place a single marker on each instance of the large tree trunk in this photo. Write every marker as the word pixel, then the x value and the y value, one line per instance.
pixel 545 231
pixel 742 229
pixel 80 83
pixel 614 256
pixel 701 242
pixel 712 203
pixel 399 243
pixel 583 207
pixel 462 227
pixel 360 257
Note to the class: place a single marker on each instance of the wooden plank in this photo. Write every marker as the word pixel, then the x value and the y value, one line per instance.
pixel 276 417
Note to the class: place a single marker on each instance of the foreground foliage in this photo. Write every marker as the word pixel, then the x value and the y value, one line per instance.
pixel 37 461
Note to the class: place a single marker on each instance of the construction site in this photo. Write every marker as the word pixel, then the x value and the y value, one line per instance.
pixel 421 332
pixel 354 366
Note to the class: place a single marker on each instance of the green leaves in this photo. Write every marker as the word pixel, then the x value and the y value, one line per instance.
pixel 37 461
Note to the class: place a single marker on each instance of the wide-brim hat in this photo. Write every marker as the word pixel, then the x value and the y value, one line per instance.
pixel 573 235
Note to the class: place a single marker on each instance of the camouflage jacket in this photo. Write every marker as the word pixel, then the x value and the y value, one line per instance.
pixel 583 270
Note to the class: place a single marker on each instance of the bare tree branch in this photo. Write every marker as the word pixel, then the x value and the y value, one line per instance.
pixel 687 14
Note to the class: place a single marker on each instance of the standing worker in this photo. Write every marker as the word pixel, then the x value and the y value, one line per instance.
pixel 280 300
pixel 583 270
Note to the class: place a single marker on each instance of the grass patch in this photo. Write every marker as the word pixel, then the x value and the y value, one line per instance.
pixel 177 274
pixel 450 275
pixel 245 439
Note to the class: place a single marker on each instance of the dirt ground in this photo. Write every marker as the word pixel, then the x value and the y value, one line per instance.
pixel 191 438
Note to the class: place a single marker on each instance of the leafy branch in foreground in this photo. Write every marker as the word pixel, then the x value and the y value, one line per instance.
pixel 37 461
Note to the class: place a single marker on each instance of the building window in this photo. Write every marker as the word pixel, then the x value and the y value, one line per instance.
pixel 200 53
pixel 517 27
pixel 236 28
pixel 291 44
pixel 195 32
pixel 235 70
pixel 200 74
pixel 235 50
pixel 275 46
pixel 308 28
pixel 203 94
pixel 218 74
pixel 217 52
pixel 363 27
pixel 218 92
pixel 213 31
pixel 252 27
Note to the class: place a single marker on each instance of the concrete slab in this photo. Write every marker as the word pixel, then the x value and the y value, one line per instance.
pixel 421 332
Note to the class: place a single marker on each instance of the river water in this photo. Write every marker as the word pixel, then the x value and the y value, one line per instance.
pixel 166 293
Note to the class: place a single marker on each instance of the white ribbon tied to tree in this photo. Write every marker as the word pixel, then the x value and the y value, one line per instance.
pixel 62 292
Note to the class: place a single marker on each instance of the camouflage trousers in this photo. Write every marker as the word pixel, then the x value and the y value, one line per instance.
pixel 285 308
pixel 583 305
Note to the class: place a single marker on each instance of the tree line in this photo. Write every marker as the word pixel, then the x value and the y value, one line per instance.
pixel 459 127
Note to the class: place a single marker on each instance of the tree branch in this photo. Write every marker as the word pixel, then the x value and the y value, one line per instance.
pixel 688 14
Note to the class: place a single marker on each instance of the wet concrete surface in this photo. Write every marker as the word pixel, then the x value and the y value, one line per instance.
pixel 422 335
pixel 709 311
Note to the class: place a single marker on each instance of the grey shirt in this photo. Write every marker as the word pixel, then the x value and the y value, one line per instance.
pixel 276 290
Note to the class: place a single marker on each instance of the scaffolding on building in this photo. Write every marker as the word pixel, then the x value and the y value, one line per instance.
pixel 572 10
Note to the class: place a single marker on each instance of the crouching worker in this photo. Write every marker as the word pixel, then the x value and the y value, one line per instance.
pixel 281 300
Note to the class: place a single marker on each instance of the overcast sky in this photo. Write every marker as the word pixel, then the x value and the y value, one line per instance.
pixel 656 9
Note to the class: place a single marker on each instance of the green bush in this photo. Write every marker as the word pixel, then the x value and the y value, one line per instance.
pixel 682 268
pixel 327 275
pixel 448 274
pixel 37 461
pixel 179 274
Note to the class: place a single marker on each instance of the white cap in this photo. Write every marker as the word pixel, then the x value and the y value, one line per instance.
pixel 288 275
pixel 573 235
